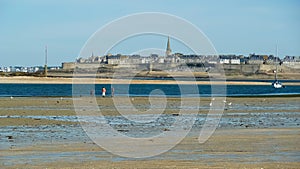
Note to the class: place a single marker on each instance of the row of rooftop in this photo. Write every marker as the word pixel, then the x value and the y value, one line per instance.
pixel 34 69
pixel 181 58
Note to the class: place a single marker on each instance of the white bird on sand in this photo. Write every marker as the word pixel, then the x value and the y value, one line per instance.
pixel 210 104
pixel 230 103
pixel 213 98
pixel 11 97
pixel 224 101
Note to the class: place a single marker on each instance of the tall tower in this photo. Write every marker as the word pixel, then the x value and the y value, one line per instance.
pixel 46 59
pixel 168 50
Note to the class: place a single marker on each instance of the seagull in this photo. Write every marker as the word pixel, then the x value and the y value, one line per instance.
pixel 213 98
pixel 11 97
pixel 224 101
pixel 210 104
pixel 229 104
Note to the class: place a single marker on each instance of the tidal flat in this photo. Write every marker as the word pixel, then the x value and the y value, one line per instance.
pixel 253 132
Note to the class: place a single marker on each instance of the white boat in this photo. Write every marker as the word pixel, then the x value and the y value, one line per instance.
pixel 277 84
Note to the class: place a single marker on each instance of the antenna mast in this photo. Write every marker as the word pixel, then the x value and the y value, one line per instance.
pixel 46 60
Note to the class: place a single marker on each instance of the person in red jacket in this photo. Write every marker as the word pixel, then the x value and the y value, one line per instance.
pixel 103 91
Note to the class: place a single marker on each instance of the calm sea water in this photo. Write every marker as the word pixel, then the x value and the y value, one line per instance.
pixel 7 90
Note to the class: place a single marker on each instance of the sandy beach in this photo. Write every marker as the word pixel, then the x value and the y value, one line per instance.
pixel 41 132
pixel 62 80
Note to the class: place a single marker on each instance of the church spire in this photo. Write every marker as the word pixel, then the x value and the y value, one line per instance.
pixel 168 50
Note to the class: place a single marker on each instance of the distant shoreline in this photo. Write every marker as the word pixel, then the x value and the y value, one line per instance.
pixel 63 80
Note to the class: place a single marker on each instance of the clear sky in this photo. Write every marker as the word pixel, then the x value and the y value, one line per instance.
pixel 233 26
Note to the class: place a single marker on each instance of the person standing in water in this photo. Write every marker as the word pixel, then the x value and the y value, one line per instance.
pixel 103 91
pixel 112 92
pixel 91 92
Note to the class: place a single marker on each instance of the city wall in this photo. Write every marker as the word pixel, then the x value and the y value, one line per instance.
pixel 229 68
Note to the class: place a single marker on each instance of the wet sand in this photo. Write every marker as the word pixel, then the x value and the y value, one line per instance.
pixel 256 132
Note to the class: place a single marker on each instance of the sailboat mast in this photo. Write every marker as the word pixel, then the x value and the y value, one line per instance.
pixel 276 62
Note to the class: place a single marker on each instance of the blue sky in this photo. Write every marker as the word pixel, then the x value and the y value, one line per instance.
pixel 233 26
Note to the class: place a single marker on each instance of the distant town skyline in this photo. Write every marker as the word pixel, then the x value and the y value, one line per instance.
pixel 233 26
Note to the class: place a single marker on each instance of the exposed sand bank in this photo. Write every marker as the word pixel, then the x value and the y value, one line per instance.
pixel 61 80
pixel 230 148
